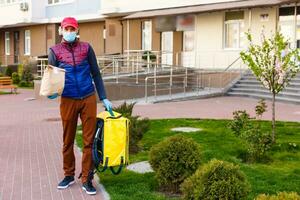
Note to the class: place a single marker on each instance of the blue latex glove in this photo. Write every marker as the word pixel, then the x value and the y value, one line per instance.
pixel 107 104
pixel 53 96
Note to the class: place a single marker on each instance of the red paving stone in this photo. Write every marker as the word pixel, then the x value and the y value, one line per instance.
pixel 30 151
pixel 215 108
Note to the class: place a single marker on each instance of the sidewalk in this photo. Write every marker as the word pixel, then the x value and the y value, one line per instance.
pixel 30 151
pixel 31 139
pixel 215 108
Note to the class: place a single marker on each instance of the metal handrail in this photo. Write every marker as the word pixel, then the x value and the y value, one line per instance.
pixel 42 66
pixel 170 83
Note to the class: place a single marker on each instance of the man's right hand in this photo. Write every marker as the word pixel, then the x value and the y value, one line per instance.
pixel 53 96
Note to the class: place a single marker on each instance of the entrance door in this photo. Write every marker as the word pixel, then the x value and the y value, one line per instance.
pixel 167 48
pixel 188 54
pixel 16 46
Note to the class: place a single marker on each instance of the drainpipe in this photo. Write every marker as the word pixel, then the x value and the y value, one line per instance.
pixel 195 40
pixel 295 26
pixel 250 19
pixel 277 18
pixel 128 37
pixel 128 40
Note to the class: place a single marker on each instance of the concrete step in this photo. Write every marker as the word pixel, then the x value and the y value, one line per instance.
pixel 287 89
pixel 292 95
pixel 256 82
pixel 265 96
pixel 205 93
pixel 294 80
pixel 249 86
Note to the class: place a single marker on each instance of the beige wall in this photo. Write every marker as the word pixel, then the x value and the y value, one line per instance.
pixel 135 35
pixel 257 26
pixel 92 33
pixel 52 36
pixel 40 41
pixel 156 38
pixel 113 41
pixel 209 37
pixel 177 43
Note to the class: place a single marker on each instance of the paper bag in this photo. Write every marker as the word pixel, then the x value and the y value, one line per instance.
pixel 53 81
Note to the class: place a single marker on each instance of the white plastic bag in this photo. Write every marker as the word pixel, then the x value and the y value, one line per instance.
pixel 53 81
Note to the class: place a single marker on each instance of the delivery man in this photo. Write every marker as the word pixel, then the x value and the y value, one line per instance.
pixel 78 99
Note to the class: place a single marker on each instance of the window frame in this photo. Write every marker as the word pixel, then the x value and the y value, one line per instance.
pixel 143 35
pixel 9 2
pixel 7 43
pixel 27 41
pixel 239 22
pixel 59 2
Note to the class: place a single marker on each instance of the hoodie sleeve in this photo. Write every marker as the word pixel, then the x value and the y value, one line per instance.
pixel 96 74
pixel 52 58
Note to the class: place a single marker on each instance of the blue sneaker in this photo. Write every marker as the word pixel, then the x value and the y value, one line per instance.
pixel 89 188
pixel 66 182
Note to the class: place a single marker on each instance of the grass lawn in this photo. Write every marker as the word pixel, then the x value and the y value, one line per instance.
pixel 3 92
pixel 282 173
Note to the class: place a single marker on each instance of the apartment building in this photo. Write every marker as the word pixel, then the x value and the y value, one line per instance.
pixel 206 35
pixel 29 27
pixel 193 33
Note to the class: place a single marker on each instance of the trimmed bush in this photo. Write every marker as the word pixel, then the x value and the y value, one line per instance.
pixel 137 126
pixel 8 71
pixel 173 160
pixel 216 180
pixel 15 78
pixel 23 84
pixel 280 196
pixel 27 75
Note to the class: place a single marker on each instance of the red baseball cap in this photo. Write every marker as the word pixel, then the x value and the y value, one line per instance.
pixel 69 21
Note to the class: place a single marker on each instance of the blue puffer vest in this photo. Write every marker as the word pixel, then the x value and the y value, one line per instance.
pixel 73 58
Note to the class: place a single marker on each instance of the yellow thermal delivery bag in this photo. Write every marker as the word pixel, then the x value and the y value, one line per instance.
pixel 111 142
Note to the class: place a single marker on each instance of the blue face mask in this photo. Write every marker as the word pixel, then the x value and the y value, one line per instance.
pixel 69 36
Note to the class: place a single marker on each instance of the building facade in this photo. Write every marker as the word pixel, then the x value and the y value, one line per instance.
pixel 33 28
pixel 194 33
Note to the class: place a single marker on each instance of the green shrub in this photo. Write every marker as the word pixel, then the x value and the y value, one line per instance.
pixel 246 128
pixel 27 75
pixel 125 109
pixel 258 143
pixel 260 108
pixel 1 74
pixel 15 78
pixel 8 71
pixel 280 196
pixel 137 129
pixel 216 180
pixel 23 84
pixel 137 126
pixel 152 57
pixel 173 160
pixel 240 122
pixel 20 69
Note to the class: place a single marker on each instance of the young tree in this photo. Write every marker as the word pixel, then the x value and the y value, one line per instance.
pixel 274 64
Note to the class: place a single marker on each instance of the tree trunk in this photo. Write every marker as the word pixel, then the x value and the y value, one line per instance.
pixel 273 118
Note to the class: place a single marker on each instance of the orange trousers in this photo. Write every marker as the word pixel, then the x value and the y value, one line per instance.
pixel 70 110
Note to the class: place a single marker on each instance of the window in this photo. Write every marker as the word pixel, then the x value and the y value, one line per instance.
pixel 27 42
pixel 5 2
pixel 147 36
pixel 50 2
pixel 287 24
pixel 7 43
pixel 234 30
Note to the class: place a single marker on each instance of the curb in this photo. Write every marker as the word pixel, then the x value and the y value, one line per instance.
pixel 99 186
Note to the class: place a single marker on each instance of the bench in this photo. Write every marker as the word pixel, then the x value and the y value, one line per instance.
pixel 7 83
